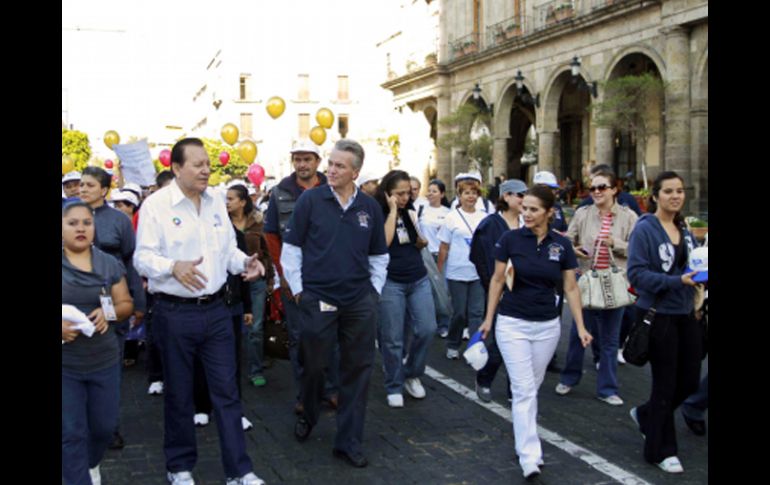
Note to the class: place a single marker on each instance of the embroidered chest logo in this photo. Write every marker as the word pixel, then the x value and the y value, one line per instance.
pixel 555 251
pixel 363 219
pixel 177 221
pixel 217 220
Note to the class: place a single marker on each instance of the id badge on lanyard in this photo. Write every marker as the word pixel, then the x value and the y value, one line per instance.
pixel 107 307
pixel 403 235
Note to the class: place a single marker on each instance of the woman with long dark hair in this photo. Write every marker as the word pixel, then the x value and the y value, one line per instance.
pixel 407 288
pixel 431 218
pixel 657 260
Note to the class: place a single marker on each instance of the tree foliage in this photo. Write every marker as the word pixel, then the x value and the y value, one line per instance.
pixel 461 137
pixel 235 168
pixel 75 144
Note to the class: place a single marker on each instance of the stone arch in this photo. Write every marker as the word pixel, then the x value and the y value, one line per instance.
pixel 654 56
pixel 511 124
pixel 700 79
pixel 549 102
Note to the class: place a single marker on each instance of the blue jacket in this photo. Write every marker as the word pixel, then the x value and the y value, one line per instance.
pixel 650 256
pixel 624 198
pixel 482 255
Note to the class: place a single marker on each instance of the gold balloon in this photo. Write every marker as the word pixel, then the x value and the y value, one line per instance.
pixel 230 133
pixel 318 135
pixel 111 138
pixel 248 150
pixel 67 164
pixel 275 107
pixel 325 118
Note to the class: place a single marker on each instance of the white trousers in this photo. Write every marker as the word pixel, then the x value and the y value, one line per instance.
pixel 526 347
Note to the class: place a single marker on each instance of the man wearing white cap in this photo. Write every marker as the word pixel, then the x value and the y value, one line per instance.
pixel 71 184
pixel 368 182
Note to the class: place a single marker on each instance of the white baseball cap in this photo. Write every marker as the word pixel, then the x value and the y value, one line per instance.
pixel 125 196
pixel 476 354
pixel 366 177
pixel 470 175
pixel 235 182
pixel 699 261
pixel 70 176
pixel 546 178
pixel 132 187
pixel 305 146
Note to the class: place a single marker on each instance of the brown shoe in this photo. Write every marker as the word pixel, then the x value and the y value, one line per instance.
pixel 299 408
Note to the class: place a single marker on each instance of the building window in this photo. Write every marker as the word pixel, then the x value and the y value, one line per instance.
pixel 246 126
pixel 304 87
pixel 343 124
pixel 304 125
pixel 343 87
pixel 476 16
pixel 244 85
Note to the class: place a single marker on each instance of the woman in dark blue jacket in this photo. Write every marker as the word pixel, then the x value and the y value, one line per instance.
pixel 657 259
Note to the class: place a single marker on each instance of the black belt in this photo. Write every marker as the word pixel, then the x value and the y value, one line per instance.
pixel 200 300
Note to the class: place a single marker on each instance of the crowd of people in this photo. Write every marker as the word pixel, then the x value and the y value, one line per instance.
pixel 358 264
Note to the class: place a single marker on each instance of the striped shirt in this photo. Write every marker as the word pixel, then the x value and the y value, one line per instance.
pixel 603 258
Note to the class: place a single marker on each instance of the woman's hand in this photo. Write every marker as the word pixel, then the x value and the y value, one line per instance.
pixel 97 316
pixel 687 279
pixel 68 331
pixel 585 337
pixel 248 319
pixel 392 202
pixel 485 328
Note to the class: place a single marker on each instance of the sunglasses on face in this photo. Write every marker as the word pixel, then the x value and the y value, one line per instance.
pixel 520 195
pixel 600 188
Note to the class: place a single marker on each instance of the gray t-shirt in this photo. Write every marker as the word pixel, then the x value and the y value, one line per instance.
pixel 82 289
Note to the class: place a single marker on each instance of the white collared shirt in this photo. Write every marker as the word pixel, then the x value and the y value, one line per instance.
pixel 170 229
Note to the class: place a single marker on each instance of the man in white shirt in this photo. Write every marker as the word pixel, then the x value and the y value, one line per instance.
pixel 185 247
pixel 415 186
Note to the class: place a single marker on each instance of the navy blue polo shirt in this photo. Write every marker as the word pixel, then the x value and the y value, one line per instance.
pixel 537 273
pixel 336 245
pixel 405 264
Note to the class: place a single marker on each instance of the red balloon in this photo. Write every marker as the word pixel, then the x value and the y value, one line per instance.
pixel 256 174
pixel 108 163
pixel 165 158
pixel 224 157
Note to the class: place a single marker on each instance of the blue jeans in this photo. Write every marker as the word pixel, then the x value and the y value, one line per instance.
pixel 90 404
pixel 604 325
pixel 396 298
pixel 254 347
pixel 694 407
pixel 468 304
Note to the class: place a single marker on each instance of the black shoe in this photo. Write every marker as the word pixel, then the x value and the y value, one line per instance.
pixel 697 427
pixel 356 459
pixel 117 442
pixel 302 429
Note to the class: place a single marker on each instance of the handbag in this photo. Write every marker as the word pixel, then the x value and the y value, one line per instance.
pixel 636 349
pixel 604 289
pixel 441 298
pixel 276 332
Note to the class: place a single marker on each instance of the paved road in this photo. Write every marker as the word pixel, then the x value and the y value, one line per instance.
pixel 443 439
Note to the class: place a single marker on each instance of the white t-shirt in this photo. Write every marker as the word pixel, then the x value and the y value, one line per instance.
pixel 480 206
pixel 457 234
pixel 431 221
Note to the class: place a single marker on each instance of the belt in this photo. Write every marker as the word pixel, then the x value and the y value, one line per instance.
pixel 199 300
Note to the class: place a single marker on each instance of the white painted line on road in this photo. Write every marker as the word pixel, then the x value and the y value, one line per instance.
pixel 577 451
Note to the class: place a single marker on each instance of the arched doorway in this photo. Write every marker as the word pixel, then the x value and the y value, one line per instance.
pixel 573 123
pixel 515 131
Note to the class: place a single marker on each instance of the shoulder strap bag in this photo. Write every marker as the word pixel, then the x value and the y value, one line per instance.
pixel 604 289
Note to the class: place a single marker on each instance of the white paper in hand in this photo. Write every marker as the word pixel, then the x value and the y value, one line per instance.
pixel 81 321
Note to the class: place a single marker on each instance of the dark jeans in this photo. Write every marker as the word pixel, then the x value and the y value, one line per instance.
pixel 354 327
pixel 90 404
pixel 201 395
pixel 154 363
pixel 694 407
pixel 185 331
pixel 486 375
pixel 675 358
pixel 468 304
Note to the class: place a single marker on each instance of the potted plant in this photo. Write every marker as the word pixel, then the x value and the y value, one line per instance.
pixel 469 47
pixel 641 197
pixel 698 227
pixel 512 30
pixel 431 59
pixel 563 11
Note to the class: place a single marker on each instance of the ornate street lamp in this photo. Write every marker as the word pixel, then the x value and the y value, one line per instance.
pixel 592 86
pixel 522 94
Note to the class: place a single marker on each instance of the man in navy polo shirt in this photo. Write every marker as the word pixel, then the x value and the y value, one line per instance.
pixel 335 260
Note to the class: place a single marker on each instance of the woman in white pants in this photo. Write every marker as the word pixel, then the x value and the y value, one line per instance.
pixel 528 328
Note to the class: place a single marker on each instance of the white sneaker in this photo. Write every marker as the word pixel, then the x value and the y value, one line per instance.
pixel 246 423
pixel 613 400
pixel 671 465
pixel 562 389
pixel 96 475
pixel 414 388
pixel 443 333
pixel 248 479
pixel 466 335
pixel 529 470
pixel 452 354
pixel 621 360
pixel 395 400
pixel 180 478
pixel 201 419
pixel 156 388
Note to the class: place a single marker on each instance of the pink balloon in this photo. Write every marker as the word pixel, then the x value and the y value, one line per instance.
pixel 165 158
pixel 224 157
pixel 108 164
pixel 256 174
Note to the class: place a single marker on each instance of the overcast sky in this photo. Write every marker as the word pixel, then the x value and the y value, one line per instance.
pixel 134 66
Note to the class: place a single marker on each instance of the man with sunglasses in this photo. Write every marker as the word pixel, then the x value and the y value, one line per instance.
pixel 623 198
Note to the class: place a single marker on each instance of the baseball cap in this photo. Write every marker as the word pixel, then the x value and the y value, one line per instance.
pixel 366 177
pixel 70 176
pixel 125 196
pixel 546 178
pixel 305 146
pixel 476 354
pixel 134 188
pixel 699 261
pixel 513 185
pixel 235 182
pixel 469 175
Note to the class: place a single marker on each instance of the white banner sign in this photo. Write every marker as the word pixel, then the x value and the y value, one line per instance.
pixel 136 163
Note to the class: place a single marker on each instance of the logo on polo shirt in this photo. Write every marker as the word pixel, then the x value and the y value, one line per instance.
pixel 177 221
pixel 363 219
pixel 555 251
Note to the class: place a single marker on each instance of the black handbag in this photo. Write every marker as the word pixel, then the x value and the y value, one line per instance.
pixel 276 332
pixel 636 350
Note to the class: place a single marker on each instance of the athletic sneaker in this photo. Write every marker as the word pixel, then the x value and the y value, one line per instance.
pixel 248 479
pixel 671 465
pixel 96 475
pixel 180 478
pixel 414 388
pixel 246 424
pixel 201 419
pixel 562 389
pixel 613 400
pixel 452 354
pixel 395 400
pixel 156 388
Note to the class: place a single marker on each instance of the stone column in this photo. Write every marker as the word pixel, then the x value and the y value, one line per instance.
pixel 677 121
pixel 444 155
pixel 546 151
pixel 500 157
pixel 605 146
pixel 699 136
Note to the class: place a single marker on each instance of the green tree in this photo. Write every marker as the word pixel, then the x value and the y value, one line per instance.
pixel 75 144
pixel 625 107
pixel 463 137
pixel 235 168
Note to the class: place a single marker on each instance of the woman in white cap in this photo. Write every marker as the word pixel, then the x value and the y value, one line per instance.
pixel 600 233
pixel 528 321
pixel 658 253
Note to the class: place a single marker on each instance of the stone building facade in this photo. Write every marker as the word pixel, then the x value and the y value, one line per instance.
pixel 489 42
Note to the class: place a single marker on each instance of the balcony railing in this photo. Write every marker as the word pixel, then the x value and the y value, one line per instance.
pixel 465 46
pixel 508 29
pixel 552 13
